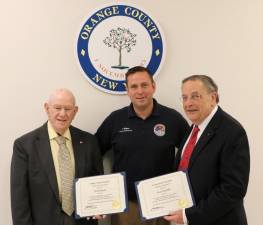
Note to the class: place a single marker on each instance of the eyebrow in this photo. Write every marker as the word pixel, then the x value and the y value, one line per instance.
pixel 194 92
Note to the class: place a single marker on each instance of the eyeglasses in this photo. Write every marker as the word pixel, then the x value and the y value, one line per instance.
pixel 58 108
pixel 192 97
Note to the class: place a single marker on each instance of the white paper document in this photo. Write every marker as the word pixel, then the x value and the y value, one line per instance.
pixel 161 195
pixel 100 195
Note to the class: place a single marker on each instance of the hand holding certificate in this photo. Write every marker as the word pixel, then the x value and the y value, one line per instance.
pixel 100 195
pixel 161 195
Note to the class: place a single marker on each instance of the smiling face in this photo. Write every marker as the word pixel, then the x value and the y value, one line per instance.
pixel 140 89
pixel 198 101
pixel 61 110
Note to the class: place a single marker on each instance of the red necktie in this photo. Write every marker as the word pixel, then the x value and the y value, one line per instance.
pixel 188 150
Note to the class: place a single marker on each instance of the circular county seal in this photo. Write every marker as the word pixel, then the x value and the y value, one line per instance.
pixel 115 38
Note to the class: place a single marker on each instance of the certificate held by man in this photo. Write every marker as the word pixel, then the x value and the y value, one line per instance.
pixel 100 195
pixel 161 195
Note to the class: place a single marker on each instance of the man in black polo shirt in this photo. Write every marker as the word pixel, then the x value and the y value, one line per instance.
pixel 143 137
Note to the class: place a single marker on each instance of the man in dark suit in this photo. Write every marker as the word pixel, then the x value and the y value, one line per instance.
pixel 37 188
pixel 218 166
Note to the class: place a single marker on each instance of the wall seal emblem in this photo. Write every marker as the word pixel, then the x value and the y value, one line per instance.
pixel 115 38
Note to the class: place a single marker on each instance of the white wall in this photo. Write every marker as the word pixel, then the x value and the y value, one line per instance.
pixel 220 38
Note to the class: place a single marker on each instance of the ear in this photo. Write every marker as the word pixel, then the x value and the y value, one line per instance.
pixel 125 84
pixel 126 88
pixel 154 85
pixel 214 96
pixel 46 106
pixel 76 109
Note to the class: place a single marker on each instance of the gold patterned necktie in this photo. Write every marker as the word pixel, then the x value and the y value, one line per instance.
pixel 66 175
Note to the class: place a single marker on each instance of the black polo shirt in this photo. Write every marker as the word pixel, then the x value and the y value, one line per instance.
pixel 142 148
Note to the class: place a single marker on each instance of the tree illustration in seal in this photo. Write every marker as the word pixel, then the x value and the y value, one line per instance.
pixel 120 39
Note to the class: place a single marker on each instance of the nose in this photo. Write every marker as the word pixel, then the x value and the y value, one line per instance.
pixel 140 90
pixel 62 112
pixel 187 102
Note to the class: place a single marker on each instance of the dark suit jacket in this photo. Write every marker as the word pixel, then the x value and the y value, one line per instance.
pixel 218 172
pixel 34 189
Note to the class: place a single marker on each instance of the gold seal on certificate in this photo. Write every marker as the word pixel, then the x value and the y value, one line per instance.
pixel 161 195
pixel 100 195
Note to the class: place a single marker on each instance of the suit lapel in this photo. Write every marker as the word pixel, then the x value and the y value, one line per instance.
pixel 207 135
pixel 180 149
pixel 79 150
pixel 45 156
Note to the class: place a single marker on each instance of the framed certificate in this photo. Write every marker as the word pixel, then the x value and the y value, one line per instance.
pixel 100 195
pixel 161 195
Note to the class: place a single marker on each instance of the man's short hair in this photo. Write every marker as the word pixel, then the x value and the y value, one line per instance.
pixel 208 82
pixel 136 69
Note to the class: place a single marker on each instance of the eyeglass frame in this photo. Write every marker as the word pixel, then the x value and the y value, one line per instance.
pixel 195 96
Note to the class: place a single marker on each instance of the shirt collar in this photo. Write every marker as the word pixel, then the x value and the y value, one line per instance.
pixel 53 134
pixel 204 124
pixel 155 112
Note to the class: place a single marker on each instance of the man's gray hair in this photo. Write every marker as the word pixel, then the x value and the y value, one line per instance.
pixel 208 82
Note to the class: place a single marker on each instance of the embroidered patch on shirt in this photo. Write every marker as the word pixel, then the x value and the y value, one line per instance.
pixel 159 130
